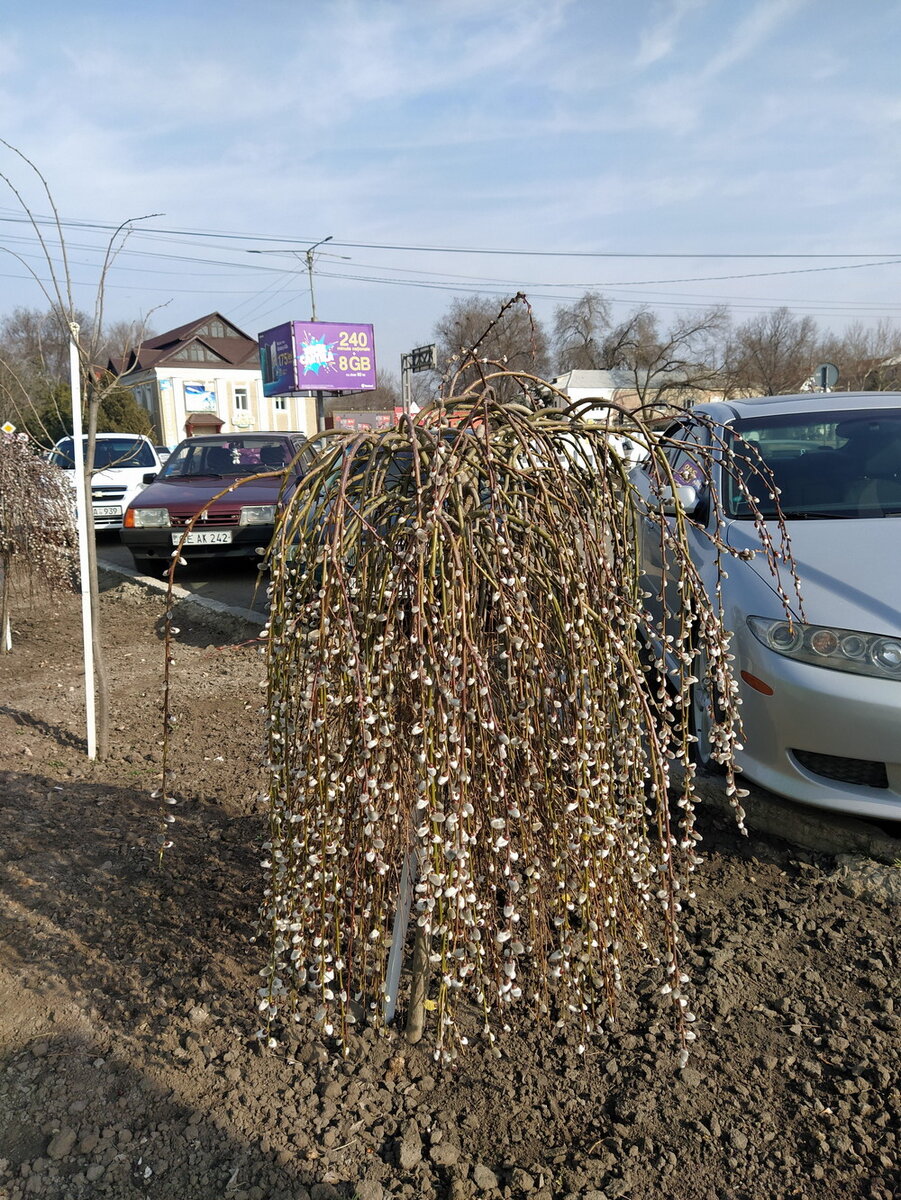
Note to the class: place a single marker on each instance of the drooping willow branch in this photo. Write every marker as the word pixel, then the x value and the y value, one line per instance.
pixel 37 525
pixel 458 670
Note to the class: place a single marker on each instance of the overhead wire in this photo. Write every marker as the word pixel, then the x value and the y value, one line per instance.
pixel 425 278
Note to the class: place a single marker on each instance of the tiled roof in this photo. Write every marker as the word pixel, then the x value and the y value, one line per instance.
pixel 238 350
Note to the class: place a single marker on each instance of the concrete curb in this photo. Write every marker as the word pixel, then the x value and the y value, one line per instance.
pixel 211 614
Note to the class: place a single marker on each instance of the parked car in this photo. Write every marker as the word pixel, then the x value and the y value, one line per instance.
pixel 163 452
pixel 121 461
pixel 237 524
pixel 629 448
pixel 821 696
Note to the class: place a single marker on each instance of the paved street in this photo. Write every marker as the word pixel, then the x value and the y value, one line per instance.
pixel 229 582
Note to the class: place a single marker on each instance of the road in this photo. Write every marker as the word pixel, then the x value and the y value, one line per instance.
pixel 230 582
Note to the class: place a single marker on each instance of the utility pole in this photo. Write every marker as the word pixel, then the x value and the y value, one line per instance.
pixel 320 402
pixel 309 257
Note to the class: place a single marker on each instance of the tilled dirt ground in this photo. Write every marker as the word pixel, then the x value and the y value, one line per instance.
pixel 127 1062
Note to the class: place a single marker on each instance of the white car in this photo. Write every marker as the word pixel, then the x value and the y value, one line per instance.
pixel 821 688
pixel 121 462
pixel 630 448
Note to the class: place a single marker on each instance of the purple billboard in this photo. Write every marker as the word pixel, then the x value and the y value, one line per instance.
pixel 318 356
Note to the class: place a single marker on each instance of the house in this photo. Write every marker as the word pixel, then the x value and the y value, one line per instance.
pixel 595 391
pixel 604 395
pixel 204 377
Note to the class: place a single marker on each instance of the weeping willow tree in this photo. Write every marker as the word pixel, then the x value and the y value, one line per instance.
pixel 37 527
pixel 465 679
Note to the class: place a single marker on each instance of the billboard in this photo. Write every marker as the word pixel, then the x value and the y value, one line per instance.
pixel 277 360
pixel 200 397
pixel 318 356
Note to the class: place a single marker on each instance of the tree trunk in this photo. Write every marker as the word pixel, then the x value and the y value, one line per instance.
pixel 418 986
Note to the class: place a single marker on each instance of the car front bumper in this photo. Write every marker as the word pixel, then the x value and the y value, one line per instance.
pixel 826 738
pixel 247 541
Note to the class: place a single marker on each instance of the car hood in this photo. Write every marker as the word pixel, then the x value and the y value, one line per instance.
pixel 850 570
pixel 163 492
pixel 116 476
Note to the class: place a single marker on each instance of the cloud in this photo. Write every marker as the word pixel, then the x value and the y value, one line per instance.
pixel 658 41
pixel 755 28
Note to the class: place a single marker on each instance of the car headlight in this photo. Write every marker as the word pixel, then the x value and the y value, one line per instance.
pixel 825 646
pixel 147 518
pixel 257 514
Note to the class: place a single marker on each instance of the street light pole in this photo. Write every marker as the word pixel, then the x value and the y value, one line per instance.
pixel 320 395
pixel 309 257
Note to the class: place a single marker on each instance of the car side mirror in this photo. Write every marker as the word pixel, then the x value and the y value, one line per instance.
pixel 685 499
pixel 149 477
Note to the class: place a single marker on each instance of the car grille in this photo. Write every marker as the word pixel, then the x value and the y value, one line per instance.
pixel 108 493
pixel 857 771
pixel 216 518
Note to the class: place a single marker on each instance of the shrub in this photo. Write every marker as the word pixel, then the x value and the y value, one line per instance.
pixel 459 681
pixel 37 530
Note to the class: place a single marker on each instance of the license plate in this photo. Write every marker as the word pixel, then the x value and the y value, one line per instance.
pixel 205 537
pixel 107 510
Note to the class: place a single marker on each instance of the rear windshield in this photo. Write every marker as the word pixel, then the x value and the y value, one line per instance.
pixel 230 457
pixel 832 465
pixel 108 452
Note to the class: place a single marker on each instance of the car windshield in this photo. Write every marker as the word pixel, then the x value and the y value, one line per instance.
pixel 108 452
pixel 834 465
pixel 229 457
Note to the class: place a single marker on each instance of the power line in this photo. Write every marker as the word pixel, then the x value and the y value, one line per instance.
pixel 605 284
pixel 288 242
pixel 454 283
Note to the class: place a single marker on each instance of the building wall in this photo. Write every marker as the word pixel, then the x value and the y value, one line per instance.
pixel 162 392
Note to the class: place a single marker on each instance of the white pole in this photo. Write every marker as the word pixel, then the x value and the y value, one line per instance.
pixel 81 520
pixel 406 382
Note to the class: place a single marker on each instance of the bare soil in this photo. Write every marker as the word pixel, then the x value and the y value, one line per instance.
pixel 128 1066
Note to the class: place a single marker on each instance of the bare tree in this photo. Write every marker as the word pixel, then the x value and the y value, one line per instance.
pixel 33 340
pixel 95 385
pixel 868 359
pixel 35 388
pixel 632 344
pixel 775 352
pixel 674 366
pixel 34 372
pixel 580 330
pixel 118 339
pixel 475 337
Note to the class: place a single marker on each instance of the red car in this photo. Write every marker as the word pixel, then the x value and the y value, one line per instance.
pixel 237 524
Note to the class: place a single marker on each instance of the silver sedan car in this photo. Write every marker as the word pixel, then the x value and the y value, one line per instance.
pixel 820 685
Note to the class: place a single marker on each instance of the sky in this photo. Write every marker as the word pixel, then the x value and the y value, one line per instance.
pixel 670 153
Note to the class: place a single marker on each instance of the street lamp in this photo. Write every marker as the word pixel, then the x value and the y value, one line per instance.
pixel 309 257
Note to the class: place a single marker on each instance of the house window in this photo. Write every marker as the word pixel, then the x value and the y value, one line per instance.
pixel 241 403
pixel 281 404
pixel 196 352
pixel 216 329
